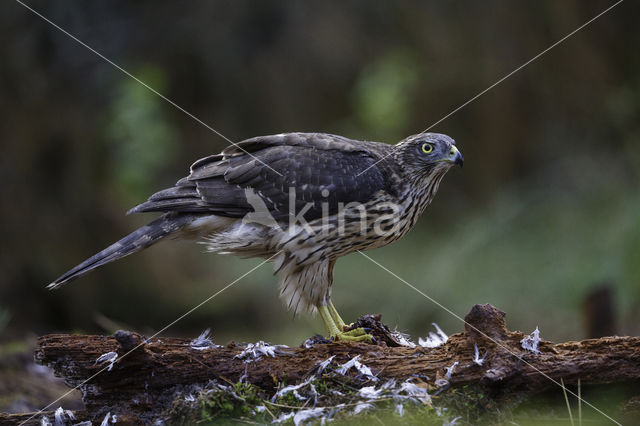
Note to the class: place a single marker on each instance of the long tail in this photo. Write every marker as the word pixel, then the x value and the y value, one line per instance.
pixel 139 239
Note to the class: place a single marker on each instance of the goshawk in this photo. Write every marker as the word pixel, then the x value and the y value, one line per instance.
pixel 301 200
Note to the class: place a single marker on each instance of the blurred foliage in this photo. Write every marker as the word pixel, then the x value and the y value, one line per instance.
pixel 545 208
pixel 382 94
pixel 5 316
pixel 143 140
pixel 26 386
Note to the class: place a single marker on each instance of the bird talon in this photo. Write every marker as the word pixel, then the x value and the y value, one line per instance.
pixel 348 327
pixel 334 324
pixel 356 332
pixel 363 337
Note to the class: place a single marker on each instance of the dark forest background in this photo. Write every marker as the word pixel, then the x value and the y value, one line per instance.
pixel 544 213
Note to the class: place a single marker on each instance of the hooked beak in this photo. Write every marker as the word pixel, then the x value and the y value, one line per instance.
pixel 455 156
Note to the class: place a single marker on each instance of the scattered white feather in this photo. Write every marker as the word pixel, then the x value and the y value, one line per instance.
pixel 403 339
pixel 254 351
pixel 365 371
pixel 114 418
pixel 452 422
pixel 442 383
pixel 531 342
pixel 343 368
pixel 62 416
pixel 245 375
pixel 355 363
pixel 400 409
pixel 109 357
pixel 324 364
pixel 441 333
pixel 298 396
pixel 433 340
pixel 105 421
pixel 370 392
pixel 59 417
pixel 418 392
pixel 261 408
pixel 391 383
pixel 314 393
pixel 44 421
pixel 304 415
pixel 284 417
pixel 203 341
pixel 449 370
pixel 363 406
pixel 476 358
pixel 190 398
pixel 293 389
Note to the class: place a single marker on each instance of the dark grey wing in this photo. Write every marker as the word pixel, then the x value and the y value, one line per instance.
pixel 314 172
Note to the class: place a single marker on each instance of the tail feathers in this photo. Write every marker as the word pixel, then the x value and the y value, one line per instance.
pixel 139 239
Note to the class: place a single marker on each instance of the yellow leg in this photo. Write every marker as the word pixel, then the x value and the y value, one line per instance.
pixel 330 317
pixel 325 314
pixel 336 317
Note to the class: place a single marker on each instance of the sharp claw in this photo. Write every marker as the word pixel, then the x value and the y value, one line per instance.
pixel 347 327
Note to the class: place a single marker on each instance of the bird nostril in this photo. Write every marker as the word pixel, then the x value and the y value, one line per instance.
pixel 452 152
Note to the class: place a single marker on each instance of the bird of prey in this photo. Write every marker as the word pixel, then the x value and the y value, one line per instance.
pixel 300 200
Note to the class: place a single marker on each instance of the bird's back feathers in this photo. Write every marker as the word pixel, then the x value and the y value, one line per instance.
pixel 301 168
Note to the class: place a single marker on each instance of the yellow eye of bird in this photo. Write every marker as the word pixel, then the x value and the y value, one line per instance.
pixel 427 148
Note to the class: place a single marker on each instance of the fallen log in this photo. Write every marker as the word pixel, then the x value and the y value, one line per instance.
pixel 137 378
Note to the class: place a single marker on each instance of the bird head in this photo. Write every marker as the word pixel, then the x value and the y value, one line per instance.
pixel 424 154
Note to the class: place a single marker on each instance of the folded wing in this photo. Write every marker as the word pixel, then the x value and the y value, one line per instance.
pixel 299 170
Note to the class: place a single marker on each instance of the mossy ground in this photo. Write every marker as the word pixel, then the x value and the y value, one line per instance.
pixel 241 402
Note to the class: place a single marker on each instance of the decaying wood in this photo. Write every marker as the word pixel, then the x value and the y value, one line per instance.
pixel 148 373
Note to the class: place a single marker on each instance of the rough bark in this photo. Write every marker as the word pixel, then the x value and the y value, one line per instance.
pixel 148 373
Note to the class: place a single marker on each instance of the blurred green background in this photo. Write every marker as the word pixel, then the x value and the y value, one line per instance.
pixel 545 210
